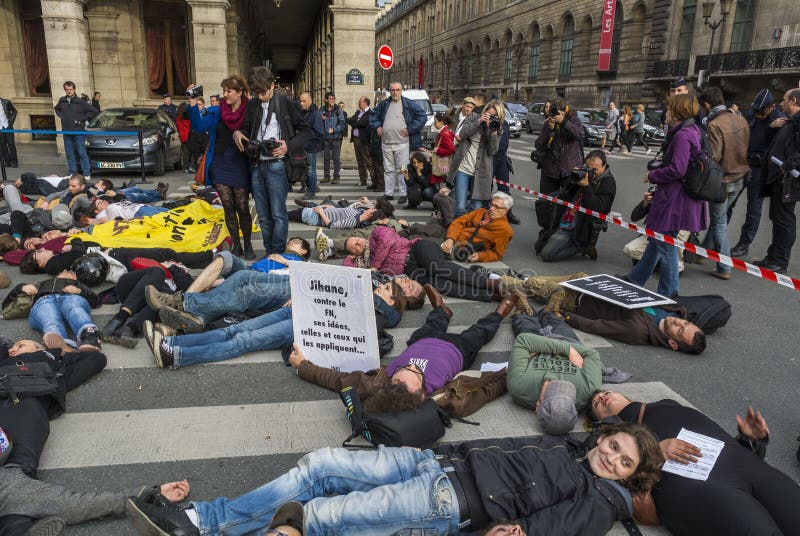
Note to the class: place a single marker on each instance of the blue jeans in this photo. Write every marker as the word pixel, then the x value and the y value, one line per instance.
pixel 246 289
pixel 72 143
pixel 463 186
pixel 148 210
pixel 361 492
pixel 266 332
pixel 50 313
pixel 138 195
pixel 270 190
pixel 658 252
pixel 312 173
pixel 717 235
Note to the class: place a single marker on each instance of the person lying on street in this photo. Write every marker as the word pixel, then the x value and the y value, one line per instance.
pixel 580 488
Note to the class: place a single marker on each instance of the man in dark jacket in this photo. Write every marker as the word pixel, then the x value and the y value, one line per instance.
pixel 559 147
pixel 272 116
pixel 360 137
pixel 8 147
pixel 763 119
pixel 574 232
pixel 168 107
pixel 335 124
pixel 75 113
pixel 547 485
pixel 781 187
pixel 314 144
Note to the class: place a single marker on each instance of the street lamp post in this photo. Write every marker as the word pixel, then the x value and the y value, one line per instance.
pixel 708 8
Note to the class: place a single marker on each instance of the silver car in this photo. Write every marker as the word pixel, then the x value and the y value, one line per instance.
pixel 110 152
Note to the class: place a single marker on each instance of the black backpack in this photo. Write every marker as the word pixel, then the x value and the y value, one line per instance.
pixel 703 179
pixel 420 427
pixel 709 311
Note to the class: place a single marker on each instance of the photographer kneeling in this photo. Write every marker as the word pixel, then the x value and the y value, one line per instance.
pixel 591 186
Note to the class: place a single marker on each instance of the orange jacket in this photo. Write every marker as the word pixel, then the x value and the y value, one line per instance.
pixel 496 234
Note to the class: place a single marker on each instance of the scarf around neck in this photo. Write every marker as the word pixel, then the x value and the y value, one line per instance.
pixel 233 120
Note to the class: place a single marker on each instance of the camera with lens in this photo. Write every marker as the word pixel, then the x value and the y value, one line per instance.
pixel 495 124
pixel 463 250
pixel 261 150
pixel 655 163
pixel 193 93
pixel 651 190
pixel 554 110
pixel 577 174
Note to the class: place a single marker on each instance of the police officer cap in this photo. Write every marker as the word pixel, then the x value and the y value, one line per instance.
pixel 678 82
pixel 763 99
pixel 166 96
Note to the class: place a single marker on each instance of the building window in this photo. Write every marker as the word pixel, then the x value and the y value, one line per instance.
pixel 487 66
pixel 167 51
pixel 507 65
pixel 743 22
pixel 687 29
pixel 567 45
pixel 469 69
pixel 533 67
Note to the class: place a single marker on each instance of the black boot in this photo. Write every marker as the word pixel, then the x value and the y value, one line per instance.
pixel 249 254
pixel 112 326
pixel 741 249
pixel 123 337
pixel 236 249
pixel 89 338
pixel 512 219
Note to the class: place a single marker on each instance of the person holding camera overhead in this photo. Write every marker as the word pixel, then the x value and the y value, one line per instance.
pixel 559 148
pixel 273 126
pixel 472 166
pixel 226 165
pixel 672 209
pixel 591 186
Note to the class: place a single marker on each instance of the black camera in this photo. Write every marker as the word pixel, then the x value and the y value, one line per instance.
pixel 577 174
pixel 655 163
pixel 462 251
pixel 494 123
pixel 196 91
pixel 261 150
pixel 755 160
pixel 652 190
pixel 554 110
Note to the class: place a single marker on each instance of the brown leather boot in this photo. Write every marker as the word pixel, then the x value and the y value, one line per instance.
pixel 523 307
pixel 437 300
pixel 507 305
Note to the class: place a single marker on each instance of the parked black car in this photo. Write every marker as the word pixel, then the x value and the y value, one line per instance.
pixel 594 131
pixel 652 127
pixel 110 152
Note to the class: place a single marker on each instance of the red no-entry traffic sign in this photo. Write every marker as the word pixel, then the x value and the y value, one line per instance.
pixel 385 57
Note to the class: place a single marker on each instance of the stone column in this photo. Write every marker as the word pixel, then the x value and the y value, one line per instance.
pixel 232 27
pixel 353 48
pixel 105 40
pixel 68 54
pixel 210 53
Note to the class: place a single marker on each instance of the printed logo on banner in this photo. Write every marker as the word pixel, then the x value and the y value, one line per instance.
pixel 333 316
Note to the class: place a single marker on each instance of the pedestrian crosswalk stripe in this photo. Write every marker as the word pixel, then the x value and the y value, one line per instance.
pixel 212 432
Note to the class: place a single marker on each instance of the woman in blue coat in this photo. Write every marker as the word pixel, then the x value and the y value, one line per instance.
pixel 227 168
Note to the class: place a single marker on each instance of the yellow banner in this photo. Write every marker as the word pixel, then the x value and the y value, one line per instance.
pixel 188 229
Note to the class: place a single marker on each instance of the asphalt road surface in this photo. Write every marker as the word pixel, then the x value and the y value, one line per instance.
pixel 229 427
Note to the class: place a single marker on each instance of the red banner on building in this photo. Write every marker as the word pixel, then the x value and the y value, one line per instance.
pixel 606 35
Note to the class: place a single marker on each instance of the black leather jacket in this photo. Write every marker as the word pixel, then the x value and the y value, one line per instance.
pixel 290 119
pixel 541 483
pixel 10 110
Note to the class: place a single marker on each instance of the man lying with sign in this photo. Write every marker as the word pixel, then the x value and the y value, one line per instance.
pixel 269 331
pixel 433 358
pixel 662 325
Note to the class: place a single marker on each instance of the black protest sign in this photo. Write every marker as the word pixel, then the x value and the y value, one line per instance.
pixel 614 290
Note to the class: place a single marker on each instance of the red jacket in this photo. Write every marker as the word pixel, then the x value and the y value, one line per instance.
pixel 184 125
pixel 443 146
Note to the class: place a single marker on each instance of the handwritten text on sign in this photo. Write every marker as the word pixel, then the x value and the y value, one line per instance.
pixel 617 291
pixel 333 316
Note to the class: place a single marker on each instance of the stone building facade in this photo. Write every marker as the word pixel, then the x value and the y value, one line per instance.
pixel 526 50
pixel 132 51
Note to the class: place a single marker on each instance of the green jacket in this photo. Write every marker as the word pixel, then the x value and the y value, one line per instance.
pixel 535 358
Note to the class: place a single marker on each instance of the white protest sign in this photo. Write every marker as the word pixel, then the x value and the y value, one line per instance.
pixel 333 316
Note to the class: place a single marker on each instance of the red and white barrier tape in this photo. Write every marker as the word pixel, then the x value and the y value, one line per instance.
pixel 751 269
